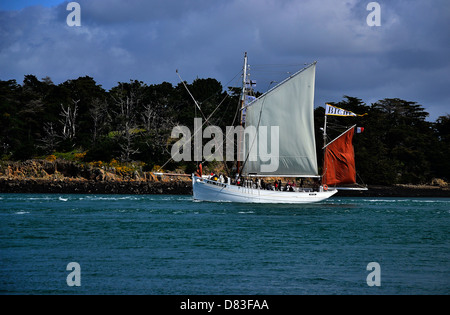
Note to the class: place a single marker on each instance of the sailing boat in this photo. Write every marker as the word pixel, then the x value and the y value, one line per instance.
pixel 288 110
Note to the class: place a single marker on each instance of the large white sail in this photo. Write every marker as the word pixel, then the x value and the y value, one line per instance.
pixel 290 107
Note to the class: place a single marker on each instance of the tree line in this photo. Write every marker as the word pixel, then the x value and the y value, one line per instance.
pixel 133 122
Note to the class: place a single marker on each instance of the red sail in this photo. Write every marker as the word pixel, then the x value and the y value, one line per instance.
pixel 339 161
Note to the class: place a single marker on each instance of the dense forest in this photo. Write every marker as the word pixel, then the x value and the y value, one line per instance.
pixel 81 121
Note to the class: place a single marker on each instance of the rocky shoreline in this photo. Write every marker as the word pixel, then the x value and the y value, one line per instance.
pixel 63 177
pixel 94 187
pixel 184 187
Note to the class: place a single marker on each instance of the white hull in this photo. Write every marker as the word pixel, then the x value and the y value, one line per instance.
pixel 207 190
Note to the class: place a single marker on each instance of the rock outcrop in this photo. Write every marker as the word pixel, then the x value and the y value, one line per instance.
pixel 60 176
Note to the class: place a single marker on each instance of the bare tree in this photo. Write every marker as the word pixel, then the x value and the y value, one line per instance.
pixel 127 103
pixel 69 116
pixel 149 116
pixel 128 146
pixel 51 138
pixel 100 117
pixel 157 126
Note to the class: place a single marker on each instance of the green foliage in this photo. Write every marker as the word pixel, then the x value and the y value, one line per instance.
pixel 133 121
pixel 398 145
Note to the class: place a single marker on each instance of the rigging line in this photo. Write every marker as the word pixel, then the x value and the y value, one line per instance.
pixel 235 116
pixel 226 134
pixel 206 118
pixel 272 72
pixel 362 182
pixel 277 65
pixel 226 84
pixel 223 100
pixel 226 96
pixel 340 130
pixel 339 136
pixel 197 106
pixel 254 139
pixel 215 138
pixel 184 84
pixel 220 91
pixel 239 72
pixel 195 133
pixel 238 109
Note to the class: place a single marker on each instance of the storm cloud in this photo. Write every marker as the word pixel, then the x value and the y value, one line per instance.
pixel 405 57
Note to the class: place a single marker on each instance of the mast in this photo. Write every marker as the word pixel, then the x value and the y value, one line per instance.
pixel 244 81
pixel 324 142
pixel 325 131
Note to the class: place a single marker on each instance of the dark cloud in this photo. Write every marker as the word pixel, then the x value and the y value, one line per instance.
pixel 405 57
pixel 119 11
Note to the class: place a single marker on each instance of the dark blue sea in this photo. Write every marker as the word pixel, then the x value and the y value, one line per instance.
pixel 170 245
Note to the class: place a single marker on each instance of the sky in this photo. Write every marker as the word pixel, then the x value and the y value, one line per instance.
pixel 407 56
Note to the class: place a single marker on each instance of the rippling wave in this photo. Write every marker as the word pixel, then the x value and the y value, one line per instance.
pixel 163 244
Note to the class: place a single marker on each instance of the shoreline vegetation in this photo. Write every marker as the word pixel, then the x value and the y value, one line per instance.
pixel 113 141
pixel 80 121
pixel 65 177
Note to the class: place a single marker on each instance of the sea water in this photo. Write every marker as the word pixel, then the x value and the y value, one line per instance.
pixel 146 244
